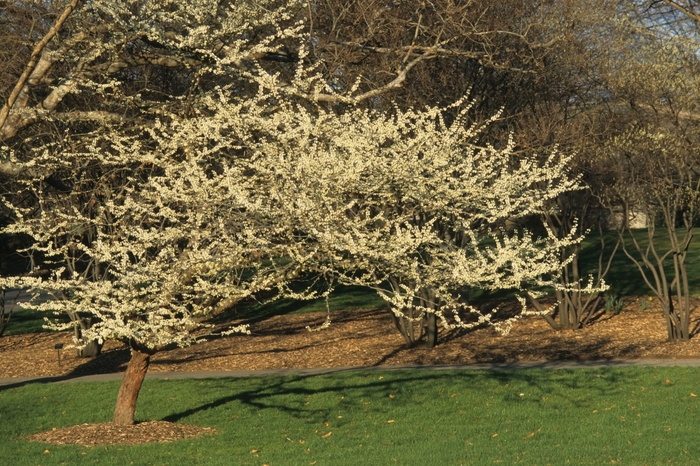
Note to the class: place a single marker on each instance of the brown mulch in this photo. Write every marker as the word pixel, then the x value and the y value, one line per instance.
pixel 107 433
pixel 363 338
pixel 355 338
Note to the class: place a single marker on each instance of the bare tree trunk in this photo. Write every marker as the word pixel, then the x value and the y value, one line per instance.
pixel 431 330
pixel 36 54
pixel 427 301
pixel 93 348
pixel 652 268
pixel 131 384
pixel 575 305
pixel 410 329
pixel 5 316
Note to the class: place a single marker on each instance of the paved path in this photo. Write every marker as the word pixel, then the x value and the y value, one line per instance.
pixel 19 381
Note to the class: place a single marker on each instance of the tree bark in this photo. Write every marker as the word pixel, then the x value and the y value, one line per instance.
pixel 431 330
pixel 131 384
pixel 36 54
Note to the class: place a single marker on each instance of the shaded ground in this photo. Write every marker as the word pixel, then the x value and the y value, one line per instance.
pixel 362 338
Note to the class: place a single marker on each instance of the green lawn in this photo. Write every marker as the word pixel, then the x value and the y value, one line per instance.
pixel 630 416
pixel 26 321
pixel 343 298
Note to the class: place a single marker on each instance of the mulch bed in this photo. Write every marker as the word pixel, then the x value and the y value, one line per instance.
pixel 362 338
pixel 107 433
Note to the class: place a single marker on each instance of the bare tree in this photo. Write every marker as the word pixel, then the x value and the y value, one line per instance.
pixel 659 176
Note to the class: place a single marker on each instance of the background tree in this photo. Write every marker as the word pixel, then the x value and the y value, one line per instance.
pixel 652 71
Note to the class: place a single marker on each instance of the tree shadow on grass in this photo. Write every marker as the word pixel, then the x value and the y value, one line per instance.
pixel 288 394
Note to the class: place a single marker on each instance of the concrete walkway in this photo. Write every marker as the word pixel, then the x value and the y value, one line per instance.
pixel 553 365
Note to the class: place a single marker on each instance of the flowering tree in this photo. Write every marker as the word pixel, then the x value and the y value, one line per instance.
pixel 405 204
pixel 148 257
pixel 155 213
pixel 140 223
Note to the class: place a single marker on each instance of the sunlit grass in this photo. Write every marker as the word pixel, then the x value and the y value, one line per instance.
pixel 605 416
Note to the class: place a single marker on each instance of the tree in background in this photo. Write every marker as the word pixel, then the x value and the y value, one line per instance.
pixel 652 70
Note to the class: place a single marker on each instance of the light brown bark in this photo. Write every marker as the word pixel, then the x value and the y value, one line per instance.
pixel 129 390
pixel 32 65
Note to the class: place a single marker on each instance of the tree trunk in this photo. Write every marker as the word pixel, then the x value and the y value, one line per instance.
pixel 411 330
pixel 431 330
pixel 93 348
pixel 131 384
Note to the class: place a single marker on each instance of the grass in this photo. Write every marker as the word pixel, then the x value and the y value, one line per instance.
pixel 26 321
pixel 604 416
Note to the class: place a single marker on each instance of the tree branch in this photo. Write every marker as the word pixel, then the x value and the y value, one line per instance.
pixel 686 10
pixel 394 84
pixel 36 53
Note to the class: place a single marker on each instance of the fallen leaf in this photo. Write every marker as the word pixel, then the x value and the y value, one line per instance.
pixel 254 451
pixel 390 421
pixel 392 396
pixel 326 435
pixel 530 435
pixel 668 382
pixel 494 436
pixel 46 452
pixel 693 394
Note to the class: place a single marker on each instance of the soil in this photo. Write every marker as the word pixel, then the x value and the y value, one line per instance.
pixel 354 338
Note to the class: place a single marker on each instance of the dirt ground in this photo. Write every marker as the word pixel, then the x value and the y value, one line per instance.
pixel 363 338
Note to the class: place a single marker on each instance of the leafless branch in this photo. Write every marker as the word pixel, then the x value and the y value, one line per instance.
pixel 685 9
pixel 394 84
pixel 35 57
